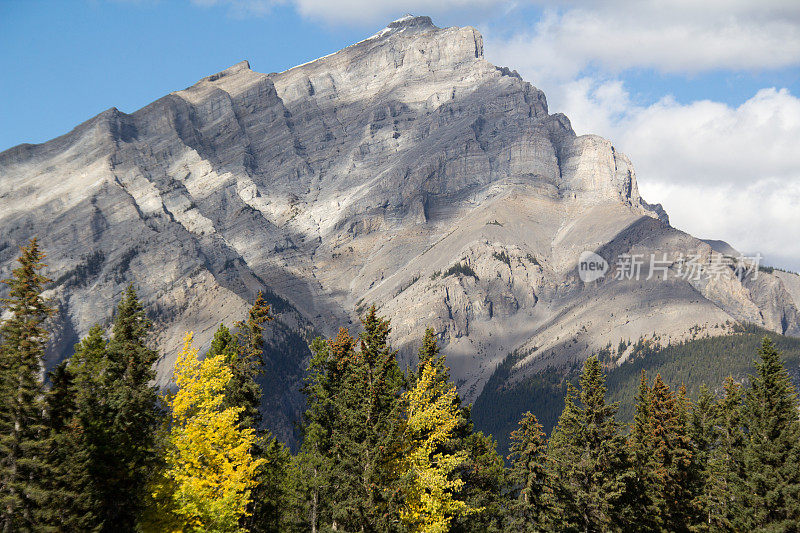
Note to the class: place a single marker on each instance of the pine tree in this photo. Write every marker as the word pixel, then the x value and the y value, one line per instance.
pixel 128 418
pixel 243 353
pixel 772 448
pixel 712 461
pixel 78 422
pixel 484 478
pixel 528 475
pixel 728 492
pixel 352 430
pixel 71 505
pixel 429 353
pixel 644 488
pixel 245 358
pixel 432 416
pixel 208 458
pixel 586 455
pixel 672 454
pixel 23 434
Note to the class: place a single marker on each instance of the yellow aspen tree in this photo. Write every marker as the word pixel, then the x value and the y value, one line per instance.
pixel 209 461
pixel 432 416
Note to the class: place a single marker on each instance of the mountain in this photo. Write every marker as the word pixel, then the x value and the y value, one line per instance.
pixel 404 171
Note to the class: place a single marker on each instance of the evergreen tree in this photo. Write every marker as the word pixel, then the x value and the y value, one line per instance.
pixel 672 454
pixel 71 505
pixel 644 488
pixel 245 358
pixel 23 434
pixel 483 473
pixel 528 475
pixel 128 418
pixel 317 468
pixel 713 463
pixel 728 492
pixel 352 429
pixel 772 447
pixel 429 353
pixel 243 354
pixel 586 455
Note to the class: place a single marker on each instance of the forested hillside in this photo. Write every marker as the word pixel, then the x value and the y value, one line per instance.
pixel 707 360
pixel 98 447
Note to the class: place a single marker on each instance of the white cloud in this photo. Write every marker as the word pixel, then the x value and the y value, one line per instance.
pixel 681 36
pixel 371 11
pixel 721 172
pixel 358 12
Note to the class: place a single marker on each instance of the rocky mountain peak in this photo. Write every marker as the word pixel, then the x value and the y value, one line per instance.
pixel 410 21
pixel 404 170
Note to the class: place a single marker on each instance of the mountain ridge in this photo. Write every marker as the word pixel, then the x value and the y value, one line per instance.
pixel 361 177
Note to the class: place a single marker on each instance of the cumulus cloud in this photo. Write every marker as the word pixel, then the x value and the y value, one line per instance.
pixel 721 171
pixel 358 12
pixel 370 11
pixel 675 37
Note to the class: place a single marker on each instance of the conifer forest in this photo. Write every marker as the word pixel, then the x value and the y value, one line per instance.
pixel 94 446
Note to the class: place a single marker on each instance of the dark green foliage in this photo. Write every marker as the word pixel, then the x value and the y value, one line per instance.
pixel 695 362
pixel 502 257
pixel 245 357
pixel 125 423
pixel 528 476
pixel 771 455
pixel 587 460
pixel 484 480
pixel 502 403
pixel 351 433
pixel 672 463
pixel 71 505
pixel 271 497
pixel 704 360
pixel 23 434
pixel 460 269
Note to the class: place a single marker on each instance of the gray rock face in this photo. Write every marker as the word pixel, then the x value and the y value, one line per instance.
pixel 360 178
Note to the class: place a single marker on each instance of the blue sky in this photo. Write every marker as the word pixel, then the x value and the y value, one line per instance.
pixel 703 96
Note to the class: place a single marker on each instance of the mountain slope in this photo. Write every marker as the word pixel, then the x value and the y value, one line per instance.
pixel 364 176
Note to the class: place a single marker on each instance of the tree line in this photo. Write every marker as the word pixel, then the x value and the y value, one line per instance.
pixel 96 446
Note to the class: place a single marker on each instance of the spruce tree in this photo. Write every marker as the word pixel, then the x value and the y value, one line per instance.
pixel 729 492
pixel 125 453
pixel 314 468
pixel 528 475
pixel 672 454
pixel 644 486
pixel 483 473
pixel 713 461
pixel 587 458
pixel 245 358
pixel 71 505
pixel 23 433
pixel 772 448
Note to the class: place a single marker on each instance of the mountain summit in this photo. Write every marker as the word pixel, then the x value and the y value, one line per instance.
pixel 404 170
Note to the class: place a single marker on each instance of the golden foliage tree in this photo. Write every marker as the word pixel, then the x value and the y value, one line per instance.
pixel 210 469
pixel 430 494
